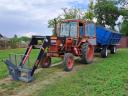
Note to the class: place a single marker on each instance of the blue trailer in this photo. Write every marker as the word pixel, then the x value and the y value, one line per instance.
pixel 106 40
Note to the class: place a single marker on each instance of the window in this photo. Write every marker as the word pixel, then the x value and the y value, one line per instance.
pixel 65 29
pixel 73 29
pixel 69 29
pixel 81 29
pixel 90 29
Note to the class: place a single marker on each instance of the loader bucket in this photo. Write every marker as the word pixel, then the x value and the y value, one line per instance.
pixel 18 72
pixel 13 70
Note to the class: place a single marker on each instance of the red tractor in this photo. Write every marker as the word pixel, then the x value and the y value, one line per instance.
pixel 73 38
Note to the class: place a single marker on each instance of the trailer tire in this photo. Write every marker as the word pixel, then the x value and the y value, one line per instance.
pixel 104 52
pixel 45 61
pixel 113 50
pixel 87 53
pixel 68 62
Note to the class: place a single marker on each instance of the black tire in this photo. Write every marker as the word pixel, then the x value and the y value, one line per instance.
pixel 104 52
pixel 113 50
pixel 68 65
pixel 45 61
pixel 84 53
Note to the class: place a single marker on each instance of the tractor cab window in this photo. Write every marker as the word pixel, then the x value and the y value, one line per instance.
pixel 64 29
pixel 89 29
pixel 73 29
pixel 68 29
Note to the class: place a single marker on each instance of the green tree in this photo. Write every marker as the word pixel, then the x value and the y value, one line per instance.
pixel 90 12
pixel 14 41
pixel 24 38
pixel 106 12
pixel 51 23
pixel 124 11
pixel 124 28
pixel 72 13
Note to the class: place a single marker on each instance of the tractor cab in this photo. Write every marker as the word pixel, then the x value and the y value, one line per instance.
pixel 77 29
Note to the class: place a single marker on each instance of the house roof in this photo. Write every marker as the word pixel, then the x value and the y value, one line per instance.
pixel 1 36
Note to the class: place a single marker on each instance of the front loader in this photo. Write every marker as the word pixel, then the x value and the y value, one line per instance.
pixel 73 38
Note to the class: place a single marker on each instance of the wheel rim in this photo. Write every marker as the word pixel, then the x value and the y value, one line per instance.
pixel 70 62
pixel 90 53
pixel 106 52
pixel 114 49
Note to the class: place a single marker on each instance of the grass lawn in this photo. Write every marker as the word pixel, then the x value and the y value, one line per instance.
pixel 5 54
pixel 105 77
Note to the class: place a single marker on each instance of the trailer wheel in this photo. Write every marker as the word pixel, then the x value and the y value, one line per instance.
pixel 113 50
pixel 87 52
pixel 45 61
pixel 68 61
pixel 104 53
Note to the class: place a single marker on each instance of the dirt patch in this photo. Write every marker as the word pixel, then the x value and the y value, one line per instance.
pixel 33 88
pixel 5 80
pixel 28 89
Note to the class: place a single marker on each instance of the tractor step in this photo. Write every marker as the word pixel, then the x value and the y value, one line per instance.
pixel 18 73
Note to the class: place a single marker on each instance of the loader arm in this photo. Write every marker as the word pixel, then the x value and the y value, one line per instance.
pixel 30 47
pixel 46 42
pixel 42 50
pixel 16 70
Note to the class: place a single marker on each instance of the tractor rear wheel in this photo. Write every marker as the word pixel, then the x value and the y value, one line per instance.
pixel 68 61
pixel 45 61
pixel 87 53
pixel 104 52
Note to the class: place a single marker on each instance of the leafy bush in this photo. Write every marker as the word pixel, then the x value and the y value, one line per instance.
pixel 124 28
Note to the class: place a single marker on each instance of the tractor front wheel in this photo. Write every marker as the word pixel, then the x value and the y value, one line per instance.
pixel 87 53
pixel 45 61
pixel 68 61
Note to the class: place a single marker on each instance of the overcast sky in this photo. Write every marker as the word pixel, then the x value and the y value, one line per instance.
pixel 26 17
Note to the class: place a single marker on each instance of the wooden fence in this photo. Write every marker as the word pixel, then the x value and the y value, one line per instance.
pixel 123 42
pixel 5 44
